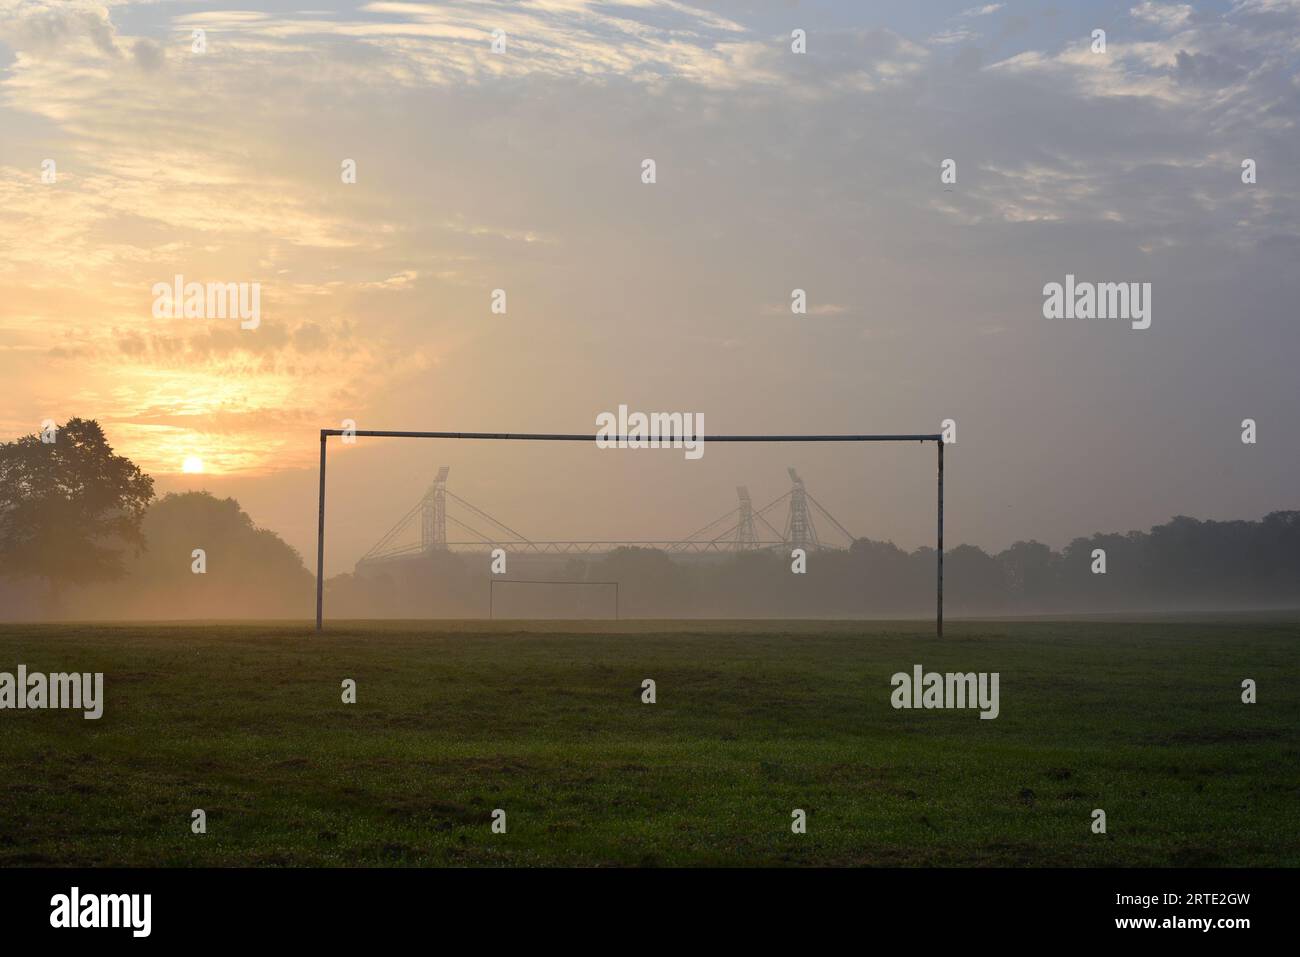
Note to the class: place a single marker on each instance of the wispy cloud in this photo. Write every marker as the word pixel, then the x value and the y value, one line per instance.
pixel 520 170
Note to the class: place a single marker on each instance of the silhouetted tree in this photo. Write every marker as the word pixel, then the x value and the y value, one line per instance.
pixel 69 508
pixel 1030 575
pixel 648 580
pixel 973 581
pixel 886 574
pixel 246 568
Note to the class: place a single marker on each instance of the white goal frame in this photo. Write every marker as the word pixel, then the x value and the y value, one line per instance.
pixel 936 438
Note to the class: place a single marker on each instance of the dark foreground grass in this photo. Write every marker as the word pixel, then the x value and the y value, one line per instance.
pixel 753 720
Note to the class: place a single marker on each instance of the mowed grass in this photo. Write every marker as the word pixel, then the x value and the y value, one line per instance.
pixel 545 720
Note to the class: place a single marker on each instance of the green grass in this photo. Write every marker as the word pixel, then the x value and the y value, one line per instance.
pixel 753 720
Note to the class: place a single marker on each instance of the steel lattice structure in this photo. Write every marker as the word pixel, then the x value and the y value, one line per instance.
pixel 432 508
pixel 732 532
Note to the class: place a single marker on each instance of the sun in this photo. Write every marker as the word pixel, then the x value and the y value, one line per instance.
pixel 192 463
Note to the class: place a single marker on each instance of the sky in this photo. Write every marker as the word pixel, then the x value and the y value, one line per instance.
pixel 521 169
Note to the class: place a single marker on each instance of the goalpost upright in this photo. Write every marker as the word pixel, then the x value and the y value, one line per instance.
pixel 575 437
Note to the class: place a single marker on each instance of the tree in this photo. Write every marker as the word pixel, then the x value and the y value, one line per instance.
pixel 69 508
pixel 886 573
pixel 246 568
pixel 1030 569
pixel 648 580
pixel 973 581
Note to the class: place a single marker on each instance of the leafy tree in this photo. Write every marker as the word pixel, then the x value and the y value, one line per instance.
pixel 69 508
pixel 648 579
pixel 246 568
pixel 1030 569
pixel 885 571
pixel 973 580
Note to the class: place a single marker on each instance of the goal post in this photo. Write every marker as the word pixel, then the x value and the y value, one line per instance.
pixel 936 438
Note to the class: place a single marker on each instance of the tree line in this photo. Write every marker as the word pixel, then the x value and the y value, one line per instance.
pixel 1184 564
pixel 82 535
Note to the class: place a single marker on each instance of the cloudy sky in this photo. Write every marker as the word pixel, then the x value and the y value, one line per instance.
pixel 521 170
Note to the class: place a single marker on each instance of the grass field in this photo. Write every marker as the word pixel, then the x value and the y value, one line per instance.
pixel 545 720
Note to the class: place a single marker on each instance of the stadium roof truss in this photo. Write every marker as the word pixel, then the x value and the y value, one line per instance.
pixel 798 492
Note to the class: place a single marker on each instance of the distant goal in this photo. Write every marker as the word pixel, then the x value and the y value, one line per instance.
pixel 936 438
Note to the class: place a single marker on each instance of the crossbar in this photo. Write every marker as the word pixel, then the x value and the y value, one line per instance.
pixel 578 437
